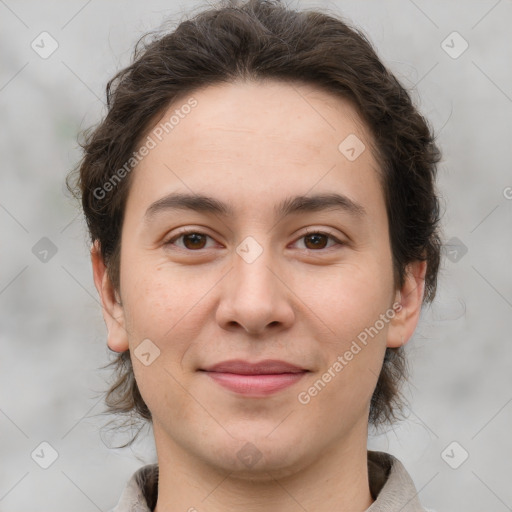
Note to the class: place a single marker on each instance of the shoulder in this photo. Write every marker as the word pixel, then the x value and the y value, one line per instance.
pixel 140 493
pixel 391 485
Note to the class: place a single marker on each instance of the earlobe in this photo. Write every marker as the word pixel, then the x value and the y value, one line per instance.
pixel 410 298
pixel 113 312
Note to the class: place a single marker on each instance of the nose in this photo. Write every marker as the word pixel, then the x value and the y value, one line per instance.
pixel 255 296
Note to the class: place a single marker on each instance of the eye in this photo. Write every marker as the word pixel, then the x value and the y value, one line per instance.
pixel 317 240
pixel 192 240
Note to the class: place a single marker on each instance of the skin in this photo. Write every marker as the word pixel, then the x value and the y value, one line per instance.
pixel 251 145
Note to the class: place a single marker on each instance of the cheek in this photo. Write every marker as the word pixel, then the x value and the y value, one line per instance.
pixel 349 297
pixel 158 308
pixel 352 360
pixel 354 304
pixel 164 311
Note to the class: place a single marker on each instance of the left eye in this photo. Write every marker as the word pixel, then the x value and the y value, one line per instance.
pixel 195 240
pixel 318 239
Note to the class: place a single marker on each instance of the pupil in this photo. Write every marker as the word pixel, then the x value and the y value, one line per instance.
pixel 315 237
pixel 194 238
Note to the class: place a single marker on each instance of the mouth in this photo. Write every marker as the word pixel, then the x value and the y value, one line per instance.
pixel 255 379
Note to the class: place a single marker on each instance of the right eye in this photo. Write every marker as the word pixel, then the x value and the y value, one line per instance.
pixel 193 240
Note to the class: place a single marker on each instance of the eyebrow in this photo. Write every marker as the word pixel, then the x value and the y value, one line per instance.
pixel 290 205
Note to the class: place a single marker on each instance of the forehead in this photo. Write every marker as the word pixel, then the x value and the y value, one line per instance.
pixel 251 137
pixel 287 112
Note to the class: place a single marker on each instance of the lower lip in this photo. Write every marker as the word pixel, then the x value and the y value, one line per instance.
pixel 255 385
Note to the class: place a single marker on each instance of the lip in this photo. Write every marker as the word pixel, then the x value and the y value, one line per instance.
pixel 255 379
pixel 241 367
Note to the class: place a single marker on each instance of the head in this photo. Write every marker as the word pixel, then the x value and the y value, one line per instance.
pixel 267 113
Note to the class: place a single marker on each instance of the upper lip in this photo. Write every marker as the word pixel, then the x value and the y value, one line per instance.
pixel 241 367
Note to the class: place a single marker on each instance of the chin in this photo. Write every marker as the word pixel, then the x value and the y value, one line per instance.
pixel 259 457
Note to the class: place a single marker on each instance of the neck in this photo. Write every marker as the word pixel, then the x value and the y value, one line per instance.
pixel 335 480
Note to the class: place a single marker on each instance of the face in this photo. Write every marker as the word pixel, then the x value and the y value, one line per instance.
pixel 254 274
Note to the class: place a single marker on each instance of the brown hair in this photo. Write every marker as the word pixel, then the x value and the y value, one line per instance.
pixel 260 40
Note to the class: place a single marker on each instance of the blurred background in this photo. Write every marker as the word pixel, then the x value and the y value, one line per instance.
pixel 55 59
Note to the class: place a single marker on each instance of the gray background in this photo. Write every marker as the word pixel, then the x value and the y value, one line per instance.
pixel 51 330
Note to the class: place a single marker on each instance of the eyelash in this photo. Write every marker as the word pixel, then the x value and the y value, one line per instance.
pixel 308 233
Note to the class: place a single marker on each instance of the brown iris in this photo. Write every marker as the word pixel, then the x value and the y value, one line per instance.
pixel 197 240
pixel 316 238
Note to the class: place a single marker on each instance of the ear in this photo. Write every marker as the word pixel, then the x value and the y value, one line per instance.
pixel 113 312
pixel 408 300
